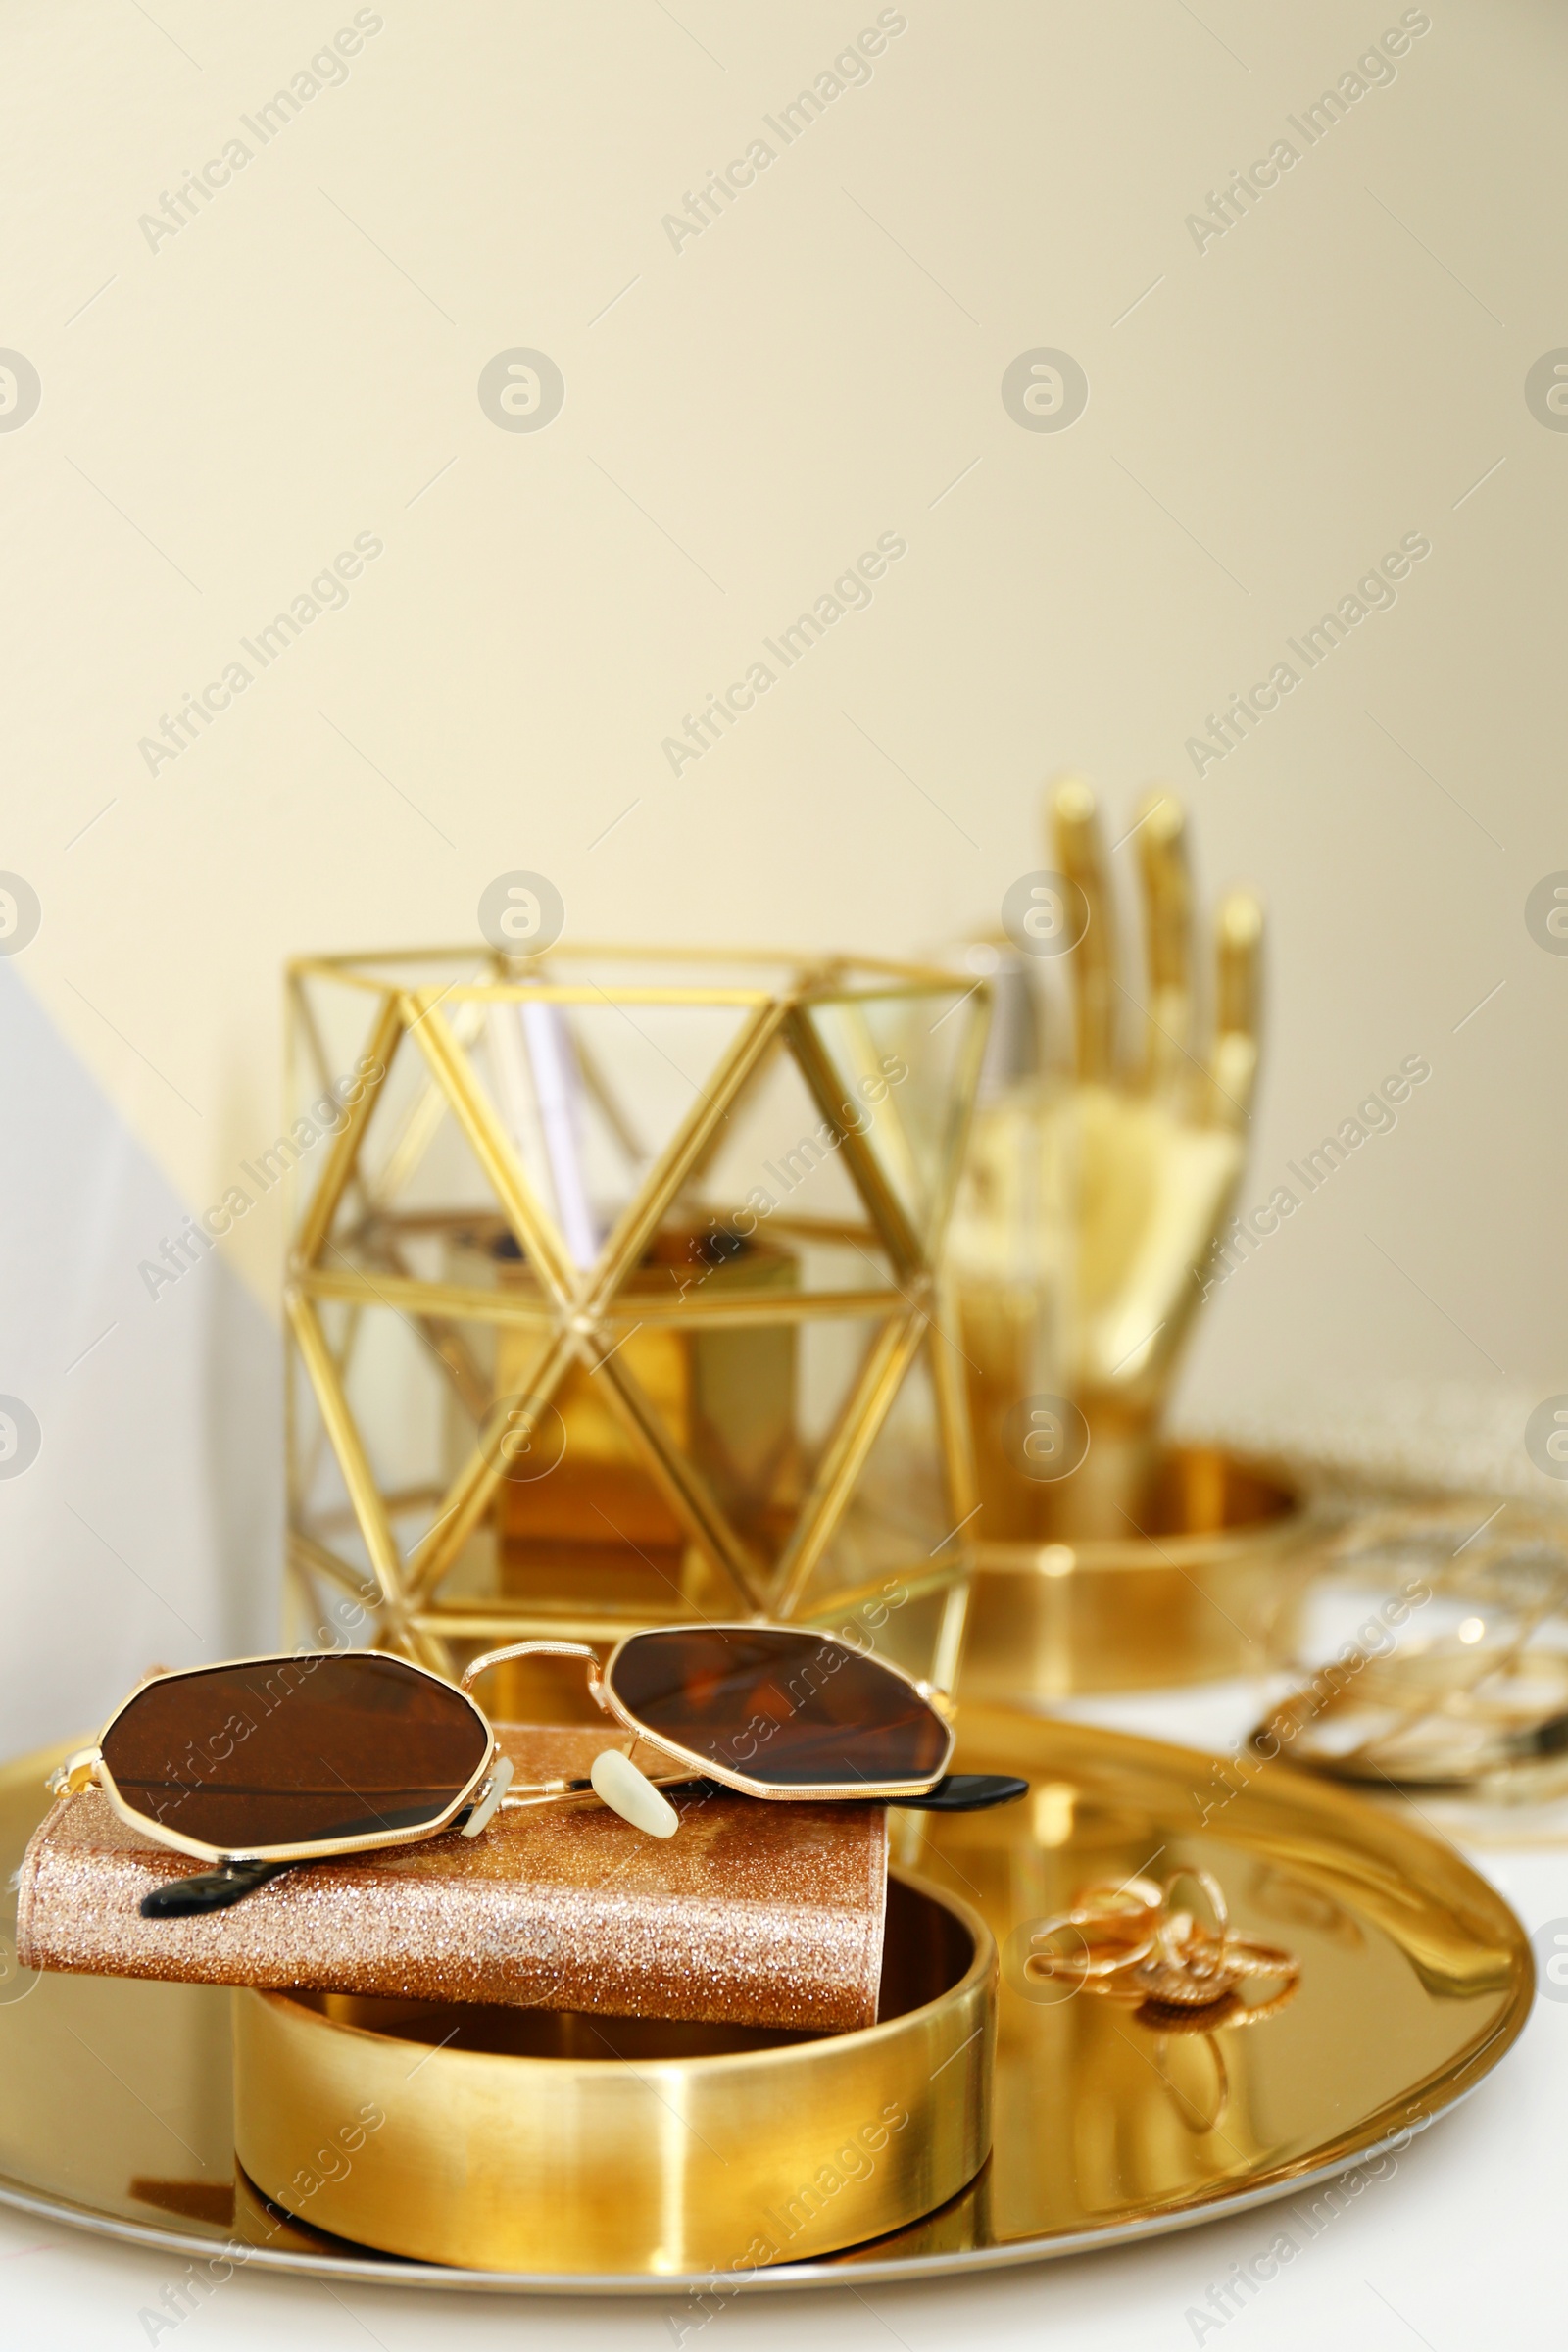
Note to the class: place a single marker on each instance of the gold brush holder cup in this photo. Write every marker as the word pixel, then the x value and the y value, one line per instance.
pixel 613 1295
pixel 1091 1202
pixel 501 2139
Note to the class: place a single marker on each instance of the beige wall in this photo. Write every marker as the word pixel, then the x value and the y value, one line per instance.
pixel 298 364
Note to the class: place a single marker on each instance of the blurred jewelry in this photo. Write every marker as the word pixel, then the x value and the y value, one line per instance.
pixel 1474 1689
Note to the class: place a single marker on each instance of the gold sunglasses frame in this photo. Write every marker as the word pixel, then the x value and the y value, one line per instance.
pixel 89 1769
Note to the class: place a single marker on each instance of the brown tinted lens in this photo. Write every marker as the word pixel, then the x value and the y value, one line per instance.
pixel 793 1710
pixel 285 1751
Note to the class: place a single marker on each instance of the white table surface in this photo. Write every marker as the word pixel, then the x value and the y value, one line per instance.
pixel 1462 2245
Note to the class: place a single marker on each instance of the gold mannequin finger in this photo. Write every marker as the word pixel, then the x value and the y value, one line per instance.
pixel 1080 859
pixel 1161 833
pixel 1239 945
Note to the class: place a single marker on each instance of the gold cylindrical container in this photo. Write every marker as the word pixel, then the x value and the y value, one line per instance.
pixel 507 2139
pixel 1209 1588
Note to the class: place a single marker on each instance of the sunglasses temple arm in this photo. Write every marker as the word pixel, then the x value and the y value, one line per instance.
pixel 965 1792
pixel 217 1889
pixel 615 1780
pixel 209 1890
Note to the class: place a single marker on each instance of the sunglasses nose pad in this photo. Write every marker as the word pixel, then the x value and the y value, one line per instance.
pixel 620 1785
pixel 486 1811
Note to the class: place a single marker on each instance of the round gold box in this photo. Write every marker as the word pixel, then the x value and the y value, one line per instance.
pixel 1207 1586
pixel 507 2140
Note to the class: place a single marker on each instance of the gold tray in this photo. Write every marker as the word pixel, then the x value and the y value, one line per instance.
pixel 115 2095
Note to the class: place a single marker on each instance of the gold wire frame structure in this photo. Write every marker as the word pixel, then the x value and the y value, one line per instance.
pixel 703 1369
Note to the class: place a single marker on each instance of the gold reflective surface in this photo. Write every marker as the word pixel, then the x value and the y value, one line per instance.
pixel 115 2100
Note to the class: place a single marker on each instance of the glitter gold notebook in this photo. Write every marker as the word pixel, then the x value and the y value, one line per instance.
pixel 752 1914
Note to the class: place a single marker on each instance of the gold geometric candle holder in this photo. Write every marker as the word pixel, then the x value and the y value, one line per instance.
pixel 614 1295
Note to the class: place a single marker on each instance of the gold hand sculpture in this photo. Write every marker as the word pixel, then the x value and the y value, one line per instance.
pixel 1114 1184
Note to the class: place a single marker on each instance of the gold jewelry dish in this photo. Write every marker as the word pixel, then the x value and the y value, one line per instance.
pixel 1209 1588
pixel 1090 1228
pixel 622 2145
pixel 1110 2121
pixel 613 1296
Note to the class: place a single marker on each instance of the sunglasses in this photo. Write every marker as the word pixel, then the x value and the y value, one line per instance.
pixel 267 1762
